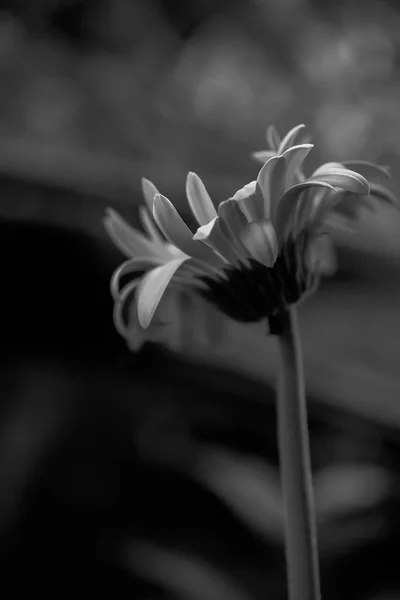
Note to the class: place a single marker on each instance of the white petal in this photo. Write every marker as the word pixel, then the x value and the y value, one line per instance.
pixel 231 221
pixel 130 266
pixel 260 239
pixel 149 191
pixel 246 191
pixel 212 235
pixel 289 138
pixel 271 180
pixel 308 208
pixel 288 204
pixel 380 192
pixel 251 201
pixel 121 326
pixel 273 138
pixel 367 169
pixel 294 157
pixel 149 225
pixel 199 199
pixel 344 179
pixel 129 240
pixel 263 155
pixel 329 166
pixel 152 288
pixel 178 233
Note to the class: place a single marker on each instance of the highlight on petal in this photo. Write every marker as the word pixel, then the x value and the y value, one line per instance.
pixel 288 204
pixel 329 166
pixel 129 240
pixel 199 199
pixel 251 201
pixel 263 155
pixel 344 179
pixel 271 180
pixel 212 235
pixel 149 225
pixel 245 191
pixel 152 288
pixel 133 265
pixel 149 191
pixel 289 138
pixel 367 169
pixel 231 221
pixel 295 157
pixel 178 233
pixel 273 138
pixel 260 239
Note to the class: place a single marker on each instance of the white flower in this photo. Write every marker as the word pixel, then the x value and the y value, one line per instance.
pixel 251 257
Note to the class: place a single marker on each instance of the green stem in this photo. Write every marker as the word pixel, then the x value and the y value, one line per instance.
pixel 295 467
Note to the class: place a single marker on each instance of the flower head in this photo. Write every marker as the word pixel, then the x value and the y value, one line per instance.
pixel 255 254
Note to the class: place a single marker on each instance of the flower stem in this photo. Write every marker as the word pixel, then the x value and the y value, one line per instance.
pixel 295 467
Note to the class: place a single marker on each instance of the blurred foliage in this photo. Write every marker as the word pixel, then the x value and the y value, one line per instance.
pixel 151 475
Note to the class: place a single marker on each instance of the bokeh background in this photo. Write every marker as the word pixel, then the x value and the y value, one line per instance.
pixel 154 475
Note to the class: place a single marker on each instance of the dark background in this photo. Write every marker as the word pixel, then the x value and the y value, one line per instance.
pixel 154 475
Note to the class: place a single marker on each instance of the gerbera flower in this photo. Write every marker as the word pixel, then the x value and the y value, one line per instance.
pixel 254 255
pixel 145 252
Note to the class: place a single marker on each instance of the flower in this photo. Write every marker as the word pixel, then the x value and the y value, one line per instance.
pixel 365 168
pixel 144 253
pixel 255 254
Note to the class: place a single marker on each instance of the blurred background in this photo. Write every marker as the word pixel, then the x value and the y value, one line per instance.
pixel 154 475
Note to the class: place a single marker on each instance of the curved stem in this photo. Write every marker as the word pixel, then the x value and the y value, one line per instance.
pixel 295 467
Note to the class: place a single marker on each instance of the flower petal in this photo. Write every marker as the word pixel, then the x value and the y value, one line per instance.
pixel 152 288
pixel 273 138
pixel 212 235
pixel 178 233
pixel 118 314
pixel 149 225
pixel 251 201
pixel 288 204
pixel 271 180
pixel 199 199
pixel 330 202
pixel 294 157
pixel 263 155
pixel 129 240
pixel 260 239
pixel 344 179
pixel 289 139
pixel 329 166
pixel 367 169
pixel 380 192
pixel 149 191
pixel 231 221
pixel 245 191
pixel 130 266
